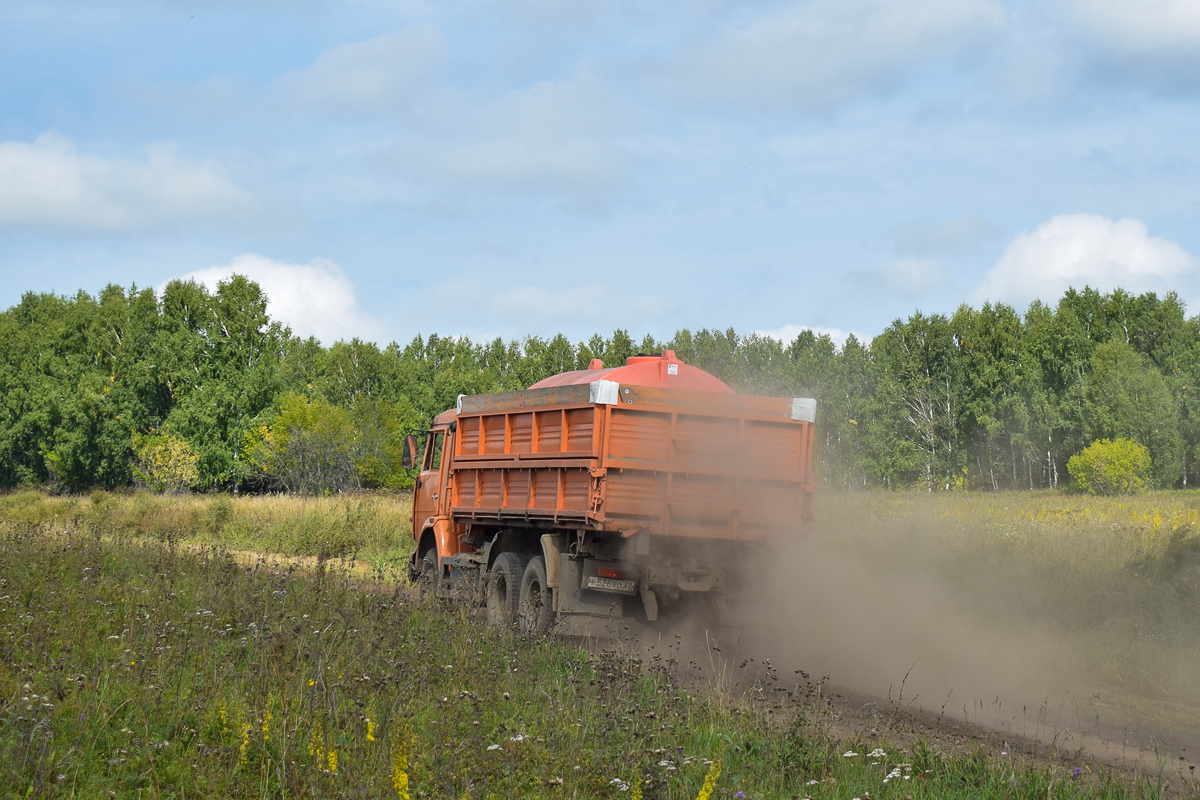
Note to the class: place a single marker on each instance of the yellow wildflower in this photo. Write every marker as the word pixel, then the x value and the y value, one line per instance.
pixel 332 760
pixel 635 793
pixel 266 725
pixel 246 728
pixel 316 745
pixel 710 780
pixel 402 747
pixel 370 729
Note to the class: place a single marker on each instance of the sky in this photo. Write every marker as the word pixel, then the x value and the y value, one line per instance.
pixel 478 168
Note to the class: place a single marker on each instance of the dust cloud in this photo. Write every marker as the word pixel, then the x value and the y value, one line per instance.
pixel 921 624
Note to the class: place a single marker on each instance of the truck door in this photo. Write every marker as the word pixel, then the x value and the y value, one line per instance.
pixel 425 498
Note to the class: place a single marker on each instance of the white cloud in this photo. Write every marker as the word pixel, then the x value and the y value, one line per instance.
pixel 1074 250
pixel 1151 30
pixel 787 334
pixel 48 184
pixel 372 76
pixel 820 53
pixel 314 299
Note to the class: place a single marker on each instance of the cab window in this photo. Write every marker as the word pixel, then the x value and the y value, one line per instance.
pixel 433 453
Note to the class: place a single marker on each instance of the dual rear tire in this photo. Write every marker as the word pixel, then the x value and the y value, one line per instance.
pixel 517 594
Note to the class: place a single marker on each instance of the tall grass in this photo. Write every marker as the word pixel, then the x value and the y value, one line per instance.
pixel 133 668
pixel 374 527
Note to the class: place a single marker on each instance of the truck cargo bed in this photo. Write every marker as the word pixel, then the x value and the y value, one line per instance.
pixel 625 459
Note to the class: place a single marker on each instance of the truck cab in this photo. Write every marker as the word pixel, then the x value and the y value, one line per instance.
pixel 434 531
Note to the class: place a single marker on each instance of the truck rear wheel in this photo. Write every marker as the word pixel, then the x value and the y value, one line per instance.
pixel 536 613
pixel 504 589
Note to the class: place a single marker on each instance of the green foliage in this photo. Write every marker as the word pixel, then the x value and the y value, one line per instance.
pixel 308 447
pixel 315 447
pixel 1005 396
pixel 1127 397
pixel 165 463
pixel 1120 466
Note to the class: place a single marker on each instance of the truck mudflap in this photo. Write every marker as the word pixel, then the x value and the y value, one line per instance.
pixel 573 596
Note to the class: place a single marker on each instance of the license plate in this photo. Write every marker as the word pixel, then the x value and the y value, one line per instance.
pixel 609 585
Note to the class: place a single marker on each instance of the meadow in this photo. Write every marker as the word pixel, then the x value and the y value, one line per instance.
pixel 365 526
pixel 143 652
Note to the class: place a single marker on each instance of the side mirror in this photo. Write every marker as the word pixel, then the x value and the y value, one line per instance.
pixel 408 456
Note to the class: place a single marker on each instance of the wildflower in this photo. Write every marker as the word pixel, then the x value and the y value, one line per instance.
pixel 493 747
pixel 849 754
pixel 878 752
pixel 636 794
pixel 246 728
pixel 710 780
pixel 401 750
pixel 739 796
pixel 621 785
pixel 813 782
pixel 370 729
pixel 316 745
pixel 333 759
pixel 266 725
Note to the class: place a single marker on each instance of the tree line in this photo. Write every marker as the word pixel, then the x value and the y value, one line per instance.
pixel 202 389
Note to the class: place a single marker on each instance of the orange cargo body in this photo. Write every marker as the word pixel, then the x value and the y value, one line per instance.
pixel 619 458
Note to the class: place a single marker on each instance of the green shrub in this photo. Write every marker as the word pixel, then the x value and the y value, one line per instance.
pixel 165 463
pixel 1119 466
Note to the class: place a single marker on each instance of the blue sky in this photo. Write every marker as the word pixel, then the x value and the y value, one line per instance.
pixel 489 168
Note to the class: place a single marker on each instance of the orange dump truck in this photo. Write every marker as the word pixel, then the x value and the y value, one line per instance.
pixel 636 491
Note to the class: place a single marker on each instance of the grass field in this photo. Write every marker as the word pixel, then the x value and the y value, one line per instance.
pixel 369 527
pixel 139 659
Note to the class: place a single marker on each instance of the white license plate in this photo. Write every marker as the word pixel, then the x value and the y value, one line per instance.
pixel 609 585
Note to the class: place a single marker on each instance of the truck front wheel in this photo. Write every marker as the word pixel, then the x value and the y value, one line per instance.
pixel 536 613
pixel 504 589
pixel 427 575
